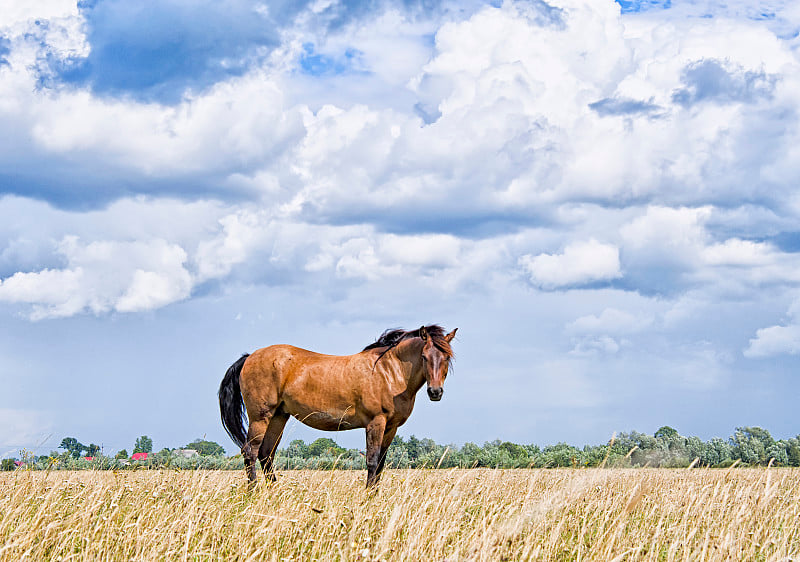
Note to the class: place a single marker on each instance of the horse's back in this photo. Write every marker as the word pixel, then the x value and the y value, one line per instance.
pixel 272 362
pixel 277 365
pixel 282 357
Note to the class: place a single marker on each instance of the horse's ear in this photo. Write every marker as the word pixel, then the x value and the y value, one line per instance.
pixel 423 333
pixel 449 337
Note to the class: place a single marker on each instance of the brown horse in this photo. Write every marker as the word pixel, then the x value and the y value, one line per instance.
pixel 374 389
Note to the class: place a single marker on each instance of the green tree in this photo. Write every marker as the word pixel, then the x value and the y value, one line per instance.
pixel 397 456
pixel 206 447
pixel 123 454
pixel 143 445
pixel 561 454
pixel 793 451
pixel 715 452
pixel 694 448
pixel 666 432
pixel 163 457
pixel 92 450
pixel 297 449
pixel 752 445
pixel 413 448
pixel 778 452
pixel 324 446
pixel 512 455
pixel 72 446
pixel 470 455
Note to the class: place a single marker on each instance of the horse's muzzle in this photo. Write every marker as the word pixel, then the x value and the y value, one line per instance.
pixel 435 394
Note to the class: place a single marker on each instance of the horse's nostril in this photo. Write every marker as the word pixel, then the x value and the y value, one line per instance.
pixel 435 393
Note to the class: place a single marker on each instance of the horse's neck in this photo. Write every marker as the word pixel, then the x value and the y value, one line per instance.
pixel 409 355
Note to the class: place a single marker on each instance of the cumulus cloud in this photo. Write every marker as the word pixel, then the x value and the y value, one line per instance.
pixel 496 135
pixel 102 277
pixel 610 321
pixel 777 340
pixel 241 234
pixel 607 332
pixel 581 263
pixel 513 82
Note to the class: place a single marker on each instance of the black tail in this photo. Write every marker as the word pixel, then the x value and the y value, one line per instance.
pixel 231 405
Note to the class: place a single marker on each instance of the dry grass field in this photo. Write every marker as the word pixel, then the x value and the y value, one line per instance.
pixel 563 514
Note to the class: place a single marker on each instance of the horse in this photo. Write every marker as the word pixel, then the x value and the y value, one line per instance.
pixel 374 389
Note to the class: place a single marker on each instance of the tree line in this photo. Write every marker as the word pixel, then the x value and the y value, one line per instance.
pixel 750 446
pixel 76 456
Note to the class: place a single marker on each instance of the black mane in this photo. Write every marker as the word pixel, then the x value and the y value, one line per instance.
pixel 391 338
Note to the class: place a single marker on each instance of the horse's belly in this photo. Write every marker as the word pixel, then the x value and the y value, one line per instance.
pixel 327 421
pixel 324 402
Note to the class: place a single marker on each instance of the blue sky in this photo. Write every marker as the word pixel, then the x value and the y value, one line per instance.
pixel 601 196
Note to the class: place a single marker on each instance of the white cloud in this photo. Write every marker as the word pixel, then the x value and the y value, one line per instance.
pixel 150 289
pixel 238 123
pixel 435 250
pixel 777 340
pixel 241 234
pixel 103 276
pixel 389 255
pixel 58 290
pixel 13 12
pixel 516 125
pixel 610 321
pixel 606 333
pixel 581 263
pixel 356 186
pixel 592 346
pixel 739 253
pixel 677 231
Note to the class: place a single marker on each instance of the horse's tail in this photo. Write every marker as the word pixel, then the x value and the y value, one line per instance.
pixel 231 405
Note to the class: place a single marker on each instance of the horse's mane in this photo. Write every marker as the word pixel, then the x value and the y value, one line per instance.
pixel 391 338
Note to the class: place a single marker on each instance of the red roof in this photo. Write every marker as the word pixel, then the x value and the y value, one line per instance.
pixel 139 456
pixel 89 458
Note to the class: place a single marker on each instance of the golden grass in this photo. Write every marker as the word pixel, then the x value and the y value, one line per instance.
pixel 564 514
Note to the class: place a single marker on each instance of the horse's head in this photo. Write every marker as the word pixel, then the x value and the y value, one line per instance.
pixel 436 356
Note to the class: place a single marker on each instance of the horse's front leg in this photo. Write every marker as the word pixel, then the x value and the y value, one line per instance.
pixel 375 430
pixel 388 437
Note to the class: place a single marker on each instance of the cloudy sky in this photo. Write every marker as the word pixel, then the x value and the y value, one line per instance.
pixel 602 196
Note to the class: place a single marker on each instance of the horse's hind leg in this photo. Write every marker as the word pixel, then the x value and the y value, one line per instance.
pixel 272 437
pixel 255 436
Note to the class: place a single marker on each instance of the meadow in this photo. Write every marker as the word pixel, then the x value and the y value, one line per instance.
pixel 454 514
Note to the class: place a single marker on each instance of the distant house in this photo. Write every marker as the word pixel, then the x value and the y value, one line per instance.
pixel 19 464
pixel 88 458
pixel 141 456
pixel 185 453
